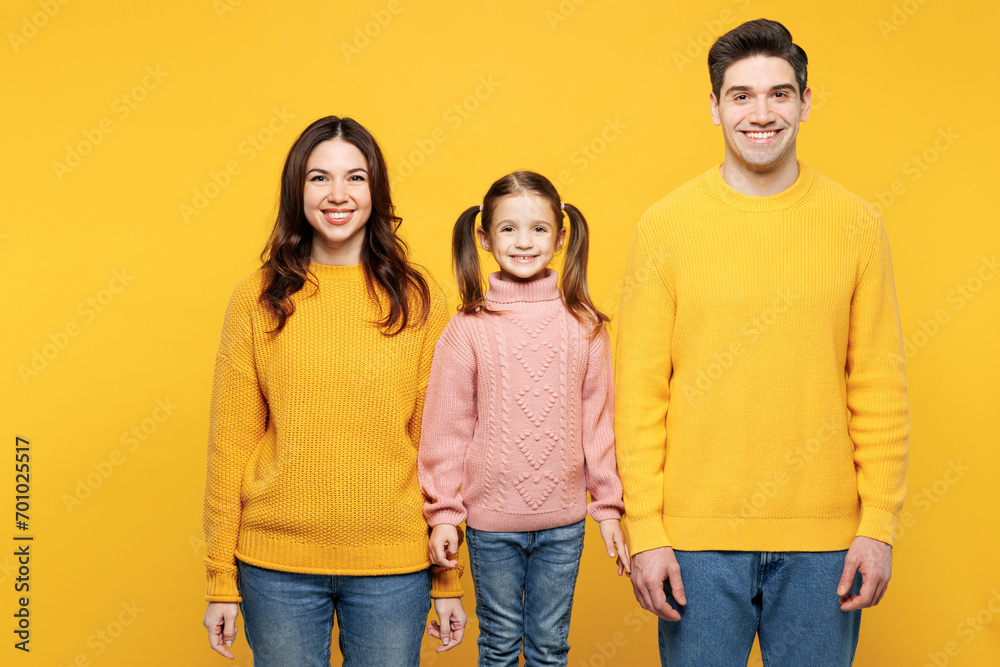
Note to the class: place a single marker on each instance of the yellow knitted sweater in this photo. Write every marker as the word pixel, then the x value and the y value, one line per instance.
pixel 312 454
pixel 760 391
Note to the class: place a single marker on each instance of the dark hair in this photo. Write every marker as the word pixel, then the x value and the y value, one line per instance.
pixel 761 37
pixel 574 279
pixel 383 255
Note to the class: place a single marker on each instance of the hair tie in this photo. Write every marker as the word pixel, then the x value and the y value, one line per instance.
pixel 480 208
pixel 562 206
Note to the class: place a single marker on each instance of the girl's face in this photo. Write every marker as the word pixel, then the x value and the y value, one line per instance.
pixel 524 236
pixel 337 201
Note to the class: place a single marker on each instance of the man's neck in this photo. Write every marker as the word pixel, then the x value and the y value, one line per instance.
pixel 759 183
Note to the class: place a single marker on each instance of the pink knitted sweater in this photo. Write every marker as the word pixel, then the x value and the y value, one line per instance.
pixel 518 422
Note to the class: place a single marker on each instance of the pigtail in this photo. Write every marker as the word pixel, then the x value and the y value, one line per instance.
pixel 576 295
pixel 465 260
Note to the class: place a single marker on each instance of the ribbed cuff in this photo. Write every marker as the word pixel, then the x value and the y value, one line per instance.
pixel 602 512
pixel 446 583
pixel 878 524
pixel 221 583
pixel 645 535
pixel 442 514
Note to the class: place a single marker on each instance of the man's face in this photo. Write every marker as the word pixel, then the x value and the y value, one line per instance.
pixel 759 110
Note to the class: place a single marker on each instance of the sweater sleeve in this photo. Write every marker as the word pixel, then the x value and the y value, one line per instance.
pixel 450 422
pixel 444 582
pixel 597 408
pixel 876 395
pixel 239 417
pixel 437 319
pixel 642 394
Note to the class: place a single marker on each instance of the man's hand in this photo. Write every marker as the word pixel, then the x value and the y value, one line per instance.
pixel 649 570
pixel 453 620
pixel 220 621
pixel 873 559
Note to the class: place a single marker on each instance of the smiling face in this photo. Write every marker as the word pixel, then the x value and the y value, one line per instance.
pixel 337 201
pixel 524 236
pixel 759 110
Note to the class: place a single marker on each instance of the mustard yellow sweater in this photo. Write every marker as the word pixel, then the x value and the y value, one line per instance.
pixel 312 454
pixel 760 390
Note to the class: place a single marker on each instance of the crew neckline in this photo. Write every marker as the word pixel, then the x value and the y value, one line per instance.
pixel 337 272
pixel 728 196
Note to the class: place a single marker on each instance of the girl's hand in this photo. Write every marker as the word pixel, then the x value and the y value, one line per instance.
pixel 614 540
pixel 220 621
pixel 453 620
pixel 442 547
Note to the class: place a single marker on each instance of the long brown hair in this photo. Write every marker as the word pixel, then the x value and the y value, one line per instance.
pixel 383 254
pixel 573 284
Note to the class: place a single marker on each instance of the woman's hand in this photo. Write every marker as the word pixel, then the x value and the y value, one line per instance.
pixel 220 621
pixel 442 547
pixel 614 540
pixel 453 619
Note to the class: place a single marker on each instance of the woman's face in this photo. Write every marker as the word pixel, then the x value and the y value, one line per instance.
pixel 337 201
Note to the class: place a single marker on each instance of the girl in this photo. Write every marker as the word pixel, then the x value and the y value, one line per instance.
pixel 312 506
pixel 518 422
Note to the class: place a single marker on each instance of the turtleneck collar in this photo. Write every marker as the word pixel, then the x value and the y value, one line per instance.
pixel 545 288
pixel 724 193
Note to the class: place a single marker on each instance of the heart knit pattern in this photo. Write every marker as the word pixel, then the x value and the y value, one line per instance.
pixel 536 404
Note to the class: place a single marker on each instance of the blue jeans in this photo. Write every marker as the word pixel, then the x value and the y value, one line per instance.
pixel 288 617
pixel 788 598
pixel 524 588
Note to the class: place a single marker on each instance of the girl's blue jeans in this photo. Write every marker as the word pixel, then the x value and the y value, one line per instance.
pixel 524 589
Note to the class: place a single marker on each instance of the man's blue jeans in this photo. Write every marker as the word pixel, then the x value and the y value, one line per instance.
pixel 288 617
pixel 788 598
pixel 524 587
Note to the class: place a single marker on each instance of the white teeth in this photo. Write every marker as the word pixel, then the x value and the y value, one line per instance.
pixel 339 216
pixel 761 135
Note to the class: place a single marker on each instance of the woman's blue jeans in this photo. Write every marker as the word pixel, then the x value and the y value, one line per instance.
pixel 789 598
pixel 524 588
pixel 288 617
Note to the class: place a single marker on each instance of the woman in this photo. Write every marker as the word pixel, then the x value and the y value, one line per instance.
pixel 312 506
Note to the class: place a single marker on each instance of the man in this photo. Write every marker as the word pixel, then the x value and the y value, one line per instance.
pixel 761 414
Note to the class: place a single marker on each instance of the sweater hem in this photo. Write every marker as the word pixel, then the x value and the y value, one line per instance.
pixel 497 522
pixel 362 560
pixel 766 534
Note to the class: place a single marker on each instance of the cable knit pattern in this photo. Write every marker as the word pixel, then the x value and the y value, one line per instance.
pixel 490 395
pixel 312 456
pixel 504 397
pixel 761 398
pixel 518 423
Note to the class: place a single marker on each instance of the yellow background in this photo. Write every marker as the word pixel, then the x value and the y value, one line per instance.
pixel 892 79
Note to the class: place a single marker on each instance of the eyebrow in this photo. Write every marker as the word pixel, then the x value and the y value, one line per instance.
pixel 326 173
pixel 748 89
pixel 533 223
